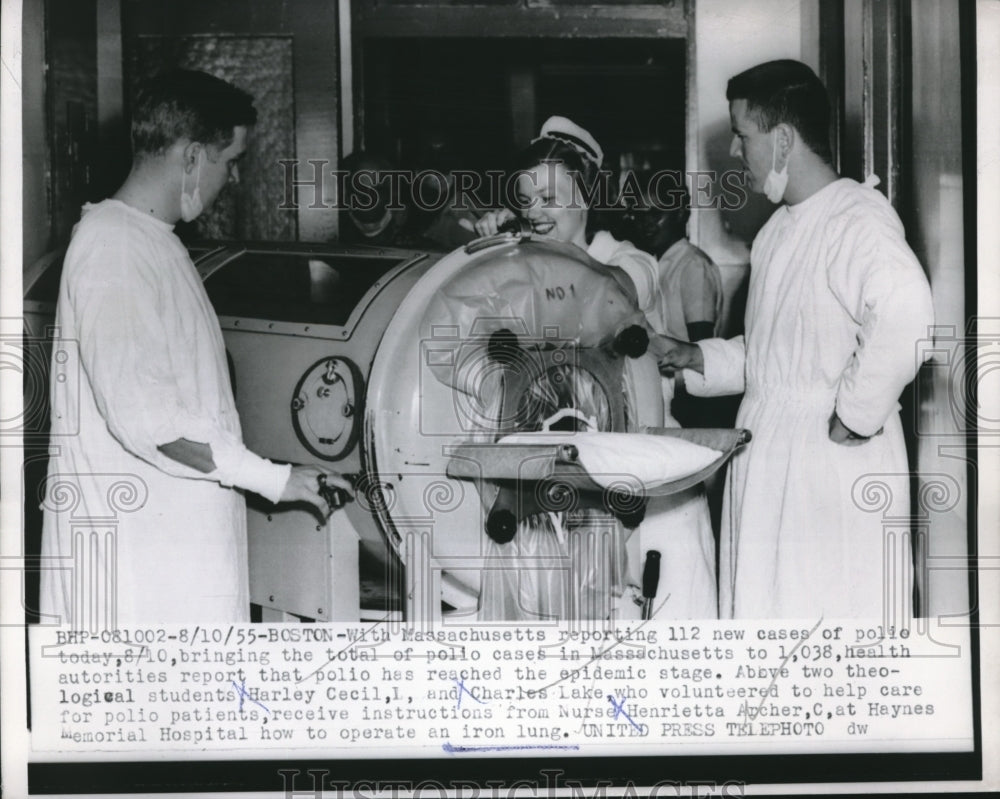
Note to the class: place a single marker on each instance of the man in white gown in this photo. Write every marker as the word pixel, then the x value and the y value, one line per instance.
pixel 142 523
pixel 837 303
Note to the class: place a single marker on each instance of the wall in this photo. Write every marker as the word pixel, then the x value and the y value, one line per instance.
pixel 237 26
pixel 34 197
pixel 935 230
pixel 77 61
pixel 71 106
pixel 988 293
pixel 731 36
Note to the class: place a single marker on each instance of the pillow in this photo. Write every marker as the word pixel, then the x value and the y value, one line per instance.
pixel 636 459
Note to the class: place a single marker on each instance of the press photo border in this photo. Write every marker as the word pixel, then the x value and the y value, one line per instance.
pixel 722 776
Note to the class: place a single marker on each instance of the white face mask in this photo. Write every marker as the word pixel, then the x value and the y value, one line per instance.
pixel 192 206
pixel 777 182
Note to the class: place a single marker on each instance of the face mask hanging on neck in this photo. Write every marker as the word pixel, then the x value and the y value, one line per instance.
pixel 192 205
pixel 777 182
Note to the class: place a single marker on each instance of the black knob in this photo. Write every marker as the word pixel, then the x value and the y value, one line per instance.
pixel 335 497
pixel 501 525
pixel 651 574
pixel 503 346
pixel 628 508
pixel 633 342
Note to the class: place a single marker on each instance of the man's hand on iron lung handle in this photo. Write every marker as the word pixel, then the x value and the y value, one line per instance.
pixel 304 486
pixel 673 354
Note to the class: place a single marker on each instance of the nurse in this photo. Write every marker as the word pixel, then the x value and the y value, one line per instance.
pixel 558 175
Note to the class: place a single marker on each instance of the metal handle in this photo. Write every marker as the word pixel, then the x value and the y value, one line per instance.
pixel 650 582
pixel 335 497
pixel 517 229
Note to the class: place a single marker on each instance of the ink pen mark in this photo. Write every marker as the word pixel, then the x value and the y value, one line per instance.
pixel 593 658
pixel 244 694
pixel 642 623
pixel 10 72
pixel 774 679
pixel 350 646
pixel 620 711
pixel 462 689
pixel 451 748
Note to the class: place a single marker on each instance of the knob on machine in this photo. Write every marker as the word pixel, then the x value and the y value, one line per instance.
pixel 325 410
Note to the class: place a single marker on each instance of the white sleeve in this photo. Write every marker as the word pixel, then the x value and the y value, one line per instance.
pixel 725 361
pixel 132 364
pixel 880 283
pixel 642 269
pixel 237 466
pixel 638 265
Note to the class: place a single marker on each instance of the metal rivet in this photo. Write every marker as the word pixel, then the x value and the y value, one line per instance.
pixel 271 598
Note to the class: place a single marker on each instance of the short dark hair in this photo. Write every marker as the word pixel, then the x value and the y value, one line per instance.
pixel 185 104
pixel 786 91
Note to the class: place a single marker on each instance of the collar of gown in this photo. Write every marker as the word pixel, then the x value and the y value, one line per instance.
pixel 135 212
pixel 815 200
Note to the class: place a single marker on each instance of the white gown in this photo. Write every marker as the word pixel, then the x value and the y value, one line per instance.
pixel 837 303
pixel 131 537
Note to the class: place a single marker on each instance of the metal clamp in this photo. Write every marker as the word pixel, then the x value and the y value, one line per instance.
pixel 335 497
pixel 512 231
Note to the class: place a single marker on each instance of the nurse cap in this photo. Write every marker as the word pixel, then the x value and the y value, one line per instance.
pixel 568 131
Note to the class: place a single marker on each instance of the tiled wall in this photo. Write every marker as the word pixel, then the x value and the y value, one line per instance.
pixel 261 65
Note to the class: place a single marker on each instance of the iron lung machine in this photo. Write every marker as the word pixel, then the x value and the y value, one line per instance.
pixel 420 377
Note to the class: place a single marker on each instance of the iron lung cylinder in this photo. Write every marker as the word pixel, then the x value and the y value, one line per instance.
pixel 484 345
pixel 432 356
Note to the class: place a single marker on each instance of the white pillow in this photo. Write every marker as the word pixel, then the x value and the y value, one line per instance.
pixel 628 459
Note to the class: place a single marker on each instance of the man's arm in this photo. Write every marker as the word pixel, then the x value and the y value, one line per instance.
pixel 841 434
pixel 117 289
pixel 882 286
pixel 713 367
pixel 302 484
pixel 191 453
pixel 673 354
